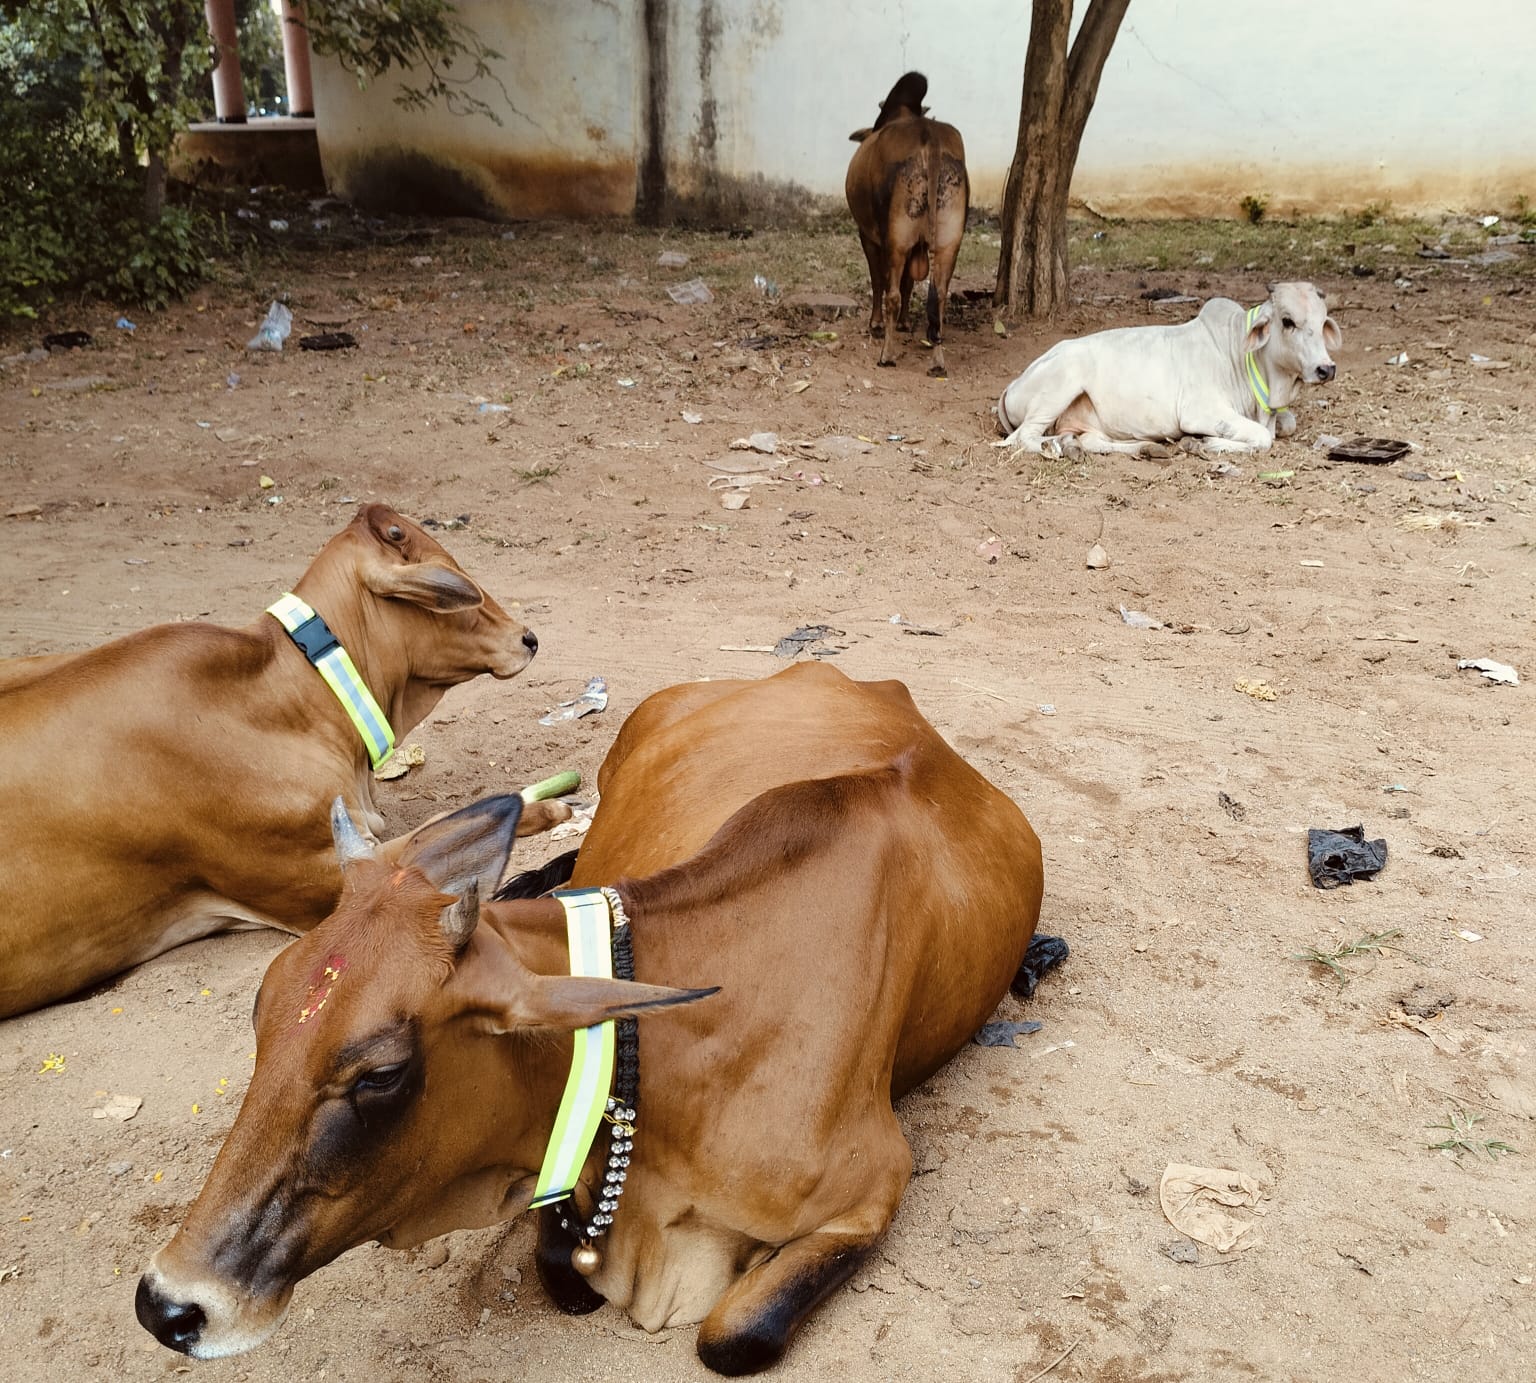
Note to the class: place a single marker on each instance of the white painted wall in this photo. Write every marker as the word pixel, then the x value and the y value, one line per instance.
pixel 1424 105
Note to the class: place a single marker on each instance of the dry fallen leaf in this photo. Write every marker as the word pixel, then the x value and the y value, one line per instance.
pixel 119 1107
pixel 1259 691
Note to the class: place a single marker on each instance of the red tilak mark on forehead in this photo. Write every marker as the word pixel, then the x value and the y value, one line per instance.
pixel 320 989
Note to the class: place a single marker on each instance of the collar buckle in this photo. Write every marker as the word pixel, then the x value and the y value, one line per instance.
pixel 315 637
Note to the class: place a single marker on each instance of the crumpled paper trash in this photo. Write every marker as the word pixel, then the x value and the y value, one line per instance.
pixel 1199 1201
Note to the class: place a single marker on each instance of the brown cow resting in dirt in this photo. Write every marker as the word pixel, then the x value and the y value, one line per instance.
pixel 908 191
pixel 860 925
pixel 178 781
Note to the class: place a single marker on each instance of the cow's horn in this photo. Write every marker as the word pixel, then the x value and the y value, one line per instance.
pixel 460 917
pixel 351 846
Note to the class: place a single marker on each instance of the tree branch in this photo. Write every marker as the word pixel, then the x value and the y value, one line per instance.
pixel 1090 51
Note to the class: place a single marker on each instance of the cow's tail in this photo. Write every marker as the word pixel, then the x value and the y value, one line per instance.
pixel 532 883
pixel 934 155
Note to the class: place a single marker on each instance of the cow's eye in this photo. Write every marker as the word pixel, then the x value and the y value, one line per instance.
pixel 1288 324
pixel 396 533
pixel 381 1080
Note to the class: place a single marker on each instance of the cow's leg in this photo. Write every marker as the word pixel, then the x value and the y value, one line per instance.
pixel 752 1324
pixel 1220 432
pixel 567 1288
pixel 895 269
pixel 875 257
pixel 941 270
pixel 904 314
pixel 1285 422
pixel 1097 444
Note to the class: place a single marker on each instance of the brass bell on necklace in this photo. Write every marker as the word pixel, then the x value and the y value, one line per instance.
pixel 586 1259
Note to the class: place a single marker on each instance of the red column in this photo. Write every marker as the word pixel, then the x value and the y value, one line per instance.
pixel 301 100
pixel 228 91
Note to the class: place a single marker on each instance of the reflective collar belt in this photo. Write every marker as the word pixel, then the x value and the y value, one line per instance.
pixel 323 649
pixel 588 925
pixel 1256 381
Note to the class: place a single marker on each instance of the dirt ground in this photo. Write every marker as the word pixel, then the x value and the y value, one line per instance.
pixel 1172 805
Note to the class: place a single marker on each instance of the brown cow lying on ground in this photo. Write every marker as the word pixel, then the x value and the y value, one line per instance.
pixel 908 191
pixel 859 924
pixel 177 782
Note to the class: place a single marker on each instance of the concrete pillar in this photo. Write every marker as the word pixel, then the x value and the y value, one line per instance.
pixel 228 92
pixel 301 100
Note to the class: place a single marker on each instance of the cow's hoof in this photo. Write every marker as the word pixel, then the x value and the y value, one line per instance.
pixel 938 372
pixel 1156 451
pixel 888 364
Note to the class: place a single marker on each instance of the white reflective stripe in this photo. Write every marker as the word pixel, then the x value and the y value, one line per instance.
pixel 589 936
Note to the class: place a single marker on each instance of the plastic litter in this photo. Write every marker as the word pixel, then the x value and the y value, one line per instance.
pixel 766 286
pixel 1341 857
pixel 273 331
pixel 1494 672
pixel 672 259
pixel 594 697
pixel 123 324
pixel 799 641
pixel 1198 1202
pixel 494 408
pixel 1137 620
pixel 1001 1033
pixel 691 294
pixel 1043 953
pixel 1401 358
pixel 278 224
pixel 765 442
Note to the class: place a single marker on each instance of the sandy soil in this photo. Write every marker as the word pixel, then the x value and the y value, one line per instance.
pixel 1182 1030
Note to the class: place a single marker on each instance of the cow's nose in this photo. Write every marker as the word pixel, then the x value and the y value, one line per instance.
pixel 176 1324
pixel 530 642
pixel 1326 372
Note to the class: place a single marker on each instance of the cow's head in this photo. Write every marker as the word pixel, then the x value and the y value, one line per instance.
pixel 1295 327
pixel 406 1080
pixel 421 623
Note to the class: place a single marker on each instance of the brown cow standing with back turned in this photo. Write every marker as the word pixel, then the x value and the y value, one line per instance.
pixel 177 782
pixel 861 897
pixel 908 191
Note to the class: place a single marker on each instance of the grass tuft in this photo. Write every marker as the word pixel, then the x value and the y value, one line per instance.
pixel 1460 1129
pixel 1373 943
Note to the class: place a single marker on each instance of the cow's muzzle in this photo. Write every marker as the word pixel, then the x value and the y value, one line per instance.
pixel 176 1324
pixel 1326 372
pixel 204 1317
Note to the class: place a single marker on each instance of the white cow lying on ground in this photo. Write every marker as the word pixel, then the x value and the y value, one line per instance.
pixel 1226 378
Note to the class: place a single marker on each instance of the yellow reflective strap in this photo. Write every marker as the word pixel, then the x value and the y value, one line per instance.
pixel 1256 381
pixel 589 934
pixel 335 665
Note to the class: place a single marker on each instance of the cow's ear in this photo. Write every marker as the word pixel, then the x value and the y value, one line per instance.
pixel 859 136
pixel 1258 327
pixel 462 849
pixel 496 991
pixel 568 1002
pixel 430 585
pixel 1333 338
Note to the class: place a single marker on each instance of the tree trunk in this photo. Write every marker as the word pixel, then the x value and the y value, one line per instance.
pixel 154 189
pixel 1059 91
